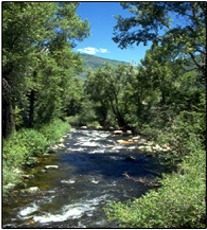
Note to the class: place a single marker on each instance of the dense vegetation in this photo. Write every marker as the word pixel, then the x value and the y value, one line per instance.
pixel 39 66
pixel 163 98
pixel 23 147
pixel 170 103
pixel 39 80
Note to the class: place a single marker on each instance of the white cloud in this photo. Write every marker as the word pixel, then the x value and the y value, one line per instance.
pixel 88 50
pixel 92 50
pixel 101 50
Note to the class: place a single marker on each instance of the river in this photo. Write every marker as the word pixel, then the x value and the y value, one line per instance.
pixel 90 174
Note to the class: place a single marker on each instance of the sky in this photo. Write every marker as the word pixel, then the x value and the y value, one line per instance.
pixel 100 16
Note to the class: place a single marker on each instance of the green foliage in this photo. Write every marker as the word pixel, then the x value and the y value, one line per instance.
pixel 163 97
pixel 54 131
pixel 9 178
pixel 18 151
pixel 106 88
pixel 22 146
pixel 166 104
pixel 148 19
pixel 179 203
pixel 38 62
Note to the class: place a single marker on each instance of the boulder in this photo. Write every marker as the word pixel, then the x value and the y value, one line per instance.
pixel 33 189
pixel 166 148
pixel 51 167
pixel 99 127
pixel 143 141
pixel 61 140
pixel 129 132
pixel 117 132
pixel 119 141
pixel 136 138
pixel 61 145
pixel 84 127
pixel 27 176
pixel 148 149
pixel 157 148
pixel 150 143
pixel 141 147
pixel 52 150
pixel 123 142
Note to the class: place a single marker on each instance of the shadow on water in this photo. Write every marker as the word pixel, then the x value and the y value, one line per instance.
pixel 111 165
pixel 91 172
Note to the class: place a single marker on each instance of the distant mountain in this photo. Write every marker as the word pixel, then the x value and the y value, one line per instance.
pixel 93 62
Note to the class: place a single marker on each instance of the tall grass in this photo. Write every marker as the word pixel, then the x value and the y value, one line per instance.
pixel 54 131
pixel 19 150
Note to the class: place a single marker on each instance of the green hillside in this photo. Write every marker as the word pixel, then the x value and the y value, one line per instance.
pixel 93 62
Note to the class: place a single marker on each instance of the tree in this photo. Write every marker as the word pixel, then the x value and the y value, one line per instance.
pixel 178 25
pixel 22 27
pixel 169 98
pixel 96 89
pixel 106 88
pixel 33 34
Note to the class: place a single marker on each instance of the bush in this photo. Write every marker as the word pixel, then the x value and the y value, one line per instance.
pixel 54 130
pixel 179 203
pixel 22 145
pixel 10 178
pixel 33 140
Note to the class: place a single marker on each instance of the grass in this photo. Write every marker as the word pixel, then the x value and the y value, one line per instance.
pixel 19 150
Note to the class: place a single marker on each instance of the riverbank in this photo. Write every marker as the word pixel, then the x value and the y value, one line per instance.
pixel 178 203
pixel 23 147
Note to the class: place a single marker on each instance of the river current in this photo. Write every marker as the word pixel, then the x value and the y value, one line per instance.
pixel 90 173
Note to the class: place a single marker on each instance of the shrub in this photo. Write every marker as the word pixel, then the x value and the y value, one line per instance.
pixel 10 178
pixel 22 145
pixel 33 140
pixel 54 131
pixel 180 202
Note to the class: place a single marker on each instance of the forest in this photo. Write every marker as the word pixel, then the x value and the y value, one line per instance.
pixel 162 98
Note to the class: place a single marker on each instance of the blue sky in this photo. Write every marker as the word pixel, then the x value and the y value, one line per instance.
pixel 101 19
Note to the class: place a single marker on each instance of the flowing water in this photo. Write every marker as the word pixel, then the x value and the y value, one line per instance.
pixel 90 174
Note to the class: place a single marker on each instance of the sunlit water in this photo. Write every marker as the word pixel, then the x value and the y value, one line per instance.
pixel 90 174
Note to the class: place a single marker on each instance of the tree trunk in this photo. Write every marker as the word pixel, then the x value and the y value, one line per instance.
pixel 8 119
pixel 31 108
pixel 8 124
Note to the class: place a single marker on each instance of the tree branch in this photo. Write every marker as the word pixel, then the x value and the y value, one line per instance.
pixel 200 67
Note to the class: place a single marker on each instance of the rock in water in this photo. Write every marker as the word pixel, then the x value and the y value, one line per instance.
pixel 33 189
pixel 51 167
pixel 117 132
pixel 130 158
pixel 52 150
pixel 128 132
